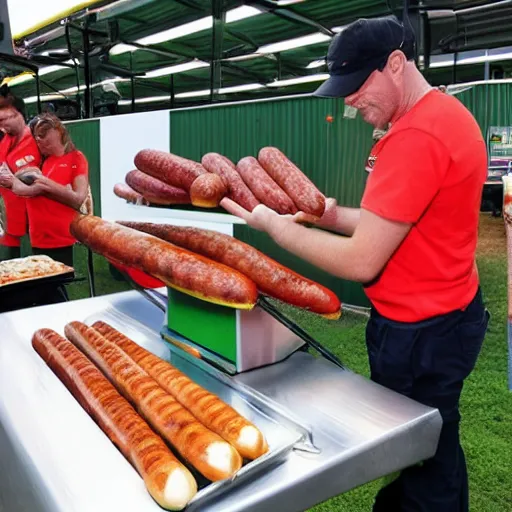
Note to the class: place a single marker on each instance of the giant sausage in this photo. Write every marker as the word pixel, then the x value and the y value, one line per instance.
pixel 206 190
pixel 238 191
pixel 156 191
pixel 264 187
pixel 293 181
pixel 271 277
pixel 176 267
pixel 124 191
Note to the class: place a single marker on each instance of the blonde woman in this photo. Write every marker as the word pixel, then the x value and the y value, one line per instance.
pixel 57 192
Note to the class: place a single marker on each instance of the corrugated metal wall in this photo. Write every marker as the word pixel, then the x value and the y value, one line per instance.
pixel 332 154
pixel 86 136
pixel 491 104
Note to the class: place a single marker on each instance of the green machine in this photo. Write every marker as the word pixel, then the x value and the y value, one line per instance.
pixel 232 339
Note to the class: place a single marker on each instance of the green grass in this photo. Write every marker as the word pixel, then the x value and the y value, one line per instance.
pixel 104 280
pixel 486 404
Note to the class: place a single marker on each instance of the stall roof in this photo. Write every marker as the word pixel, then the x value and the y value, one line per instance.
pixel 176 50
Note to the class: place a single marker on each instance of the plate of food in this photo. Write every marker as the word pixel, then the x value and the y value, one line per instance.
pixel 30 268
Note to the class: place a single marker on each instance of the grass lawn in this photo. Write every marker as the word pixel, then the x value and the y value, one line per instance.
pixel 486 402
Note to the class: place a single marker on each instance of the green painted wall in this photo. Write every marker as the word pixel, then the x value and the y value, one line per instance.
pixel 491 104
pixel 86 136
pixel 333 155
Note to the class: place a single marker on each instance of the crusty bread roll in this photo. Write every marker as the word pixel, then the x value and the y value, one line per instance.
pixel 169 482
pixel 209 409
pixel 213 457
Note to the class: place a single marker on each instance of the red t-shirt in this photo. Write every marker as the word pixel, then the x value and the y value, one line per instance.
pixel 49 220
pixel 429 170
pixel 17 156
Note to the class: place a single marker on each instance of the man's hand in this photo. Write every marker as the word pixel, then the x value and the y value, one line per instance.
pixel 328 217
pixel 262 215
pixel 261 218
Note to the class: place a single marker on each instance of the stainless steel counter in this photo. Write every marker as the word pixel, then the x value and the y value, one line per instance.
pixel 54 458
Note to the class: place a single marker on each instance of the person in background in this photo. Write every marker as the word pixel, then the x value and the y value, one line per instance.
pixel 18 151
pixel 57 193
pixel 412 243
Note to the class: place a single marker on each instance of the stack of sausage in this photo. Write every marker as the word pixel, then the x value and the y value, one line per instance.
pixel 203 263
pixel 272 179
pixel 166 425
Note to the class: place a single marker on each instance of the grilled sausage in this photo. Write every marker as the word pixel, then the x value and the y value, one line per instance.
pixel 264 187
pixel 170 483
pixel 238 191
pixel 209 409
pixel 156 191
pixel 124 191
pixel 271 277
pixel 176 267
pixel 206 190
pixel 206 451
pixel 293 181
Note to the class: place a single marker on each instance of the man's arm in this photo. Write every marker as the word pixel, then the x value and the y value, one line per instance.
pixel 359 258
pixel 339 219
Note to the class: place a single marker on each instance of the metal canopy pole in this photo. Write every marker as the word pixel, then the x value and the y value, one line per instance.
pixel 132 82
pixel 487 69
pixel 38 91
pixel 77 75
pixel 292 16
pixel 78 99
pixel 219 17
pixel 171 85
pixel 87 73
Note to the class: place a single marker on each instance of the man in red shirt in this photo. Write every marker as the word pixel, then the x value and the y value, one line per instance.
pixel 412 243
pixel 18 150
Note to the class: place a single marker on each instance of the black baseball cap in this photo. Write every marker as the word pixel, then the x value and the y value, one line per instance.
pixel 361 48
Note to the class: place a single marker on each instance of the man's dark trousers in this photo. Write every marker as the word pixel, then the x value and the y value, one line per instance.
pixel 428 362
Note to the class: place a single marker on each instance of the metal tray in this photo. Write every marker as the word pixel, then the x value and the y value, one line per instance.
pixel 57 279
pixel 282 431
pixel 66 275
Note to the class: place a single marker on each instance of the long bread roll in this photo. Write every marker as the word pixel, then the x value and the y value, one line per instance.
pixel 209 409
pixel 177 267
pixel 213 457
pixel 170 483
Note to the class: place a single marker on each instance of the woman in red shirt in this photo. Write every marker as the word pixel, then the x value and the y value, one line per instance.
pixel 56 195
pixel 18 150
